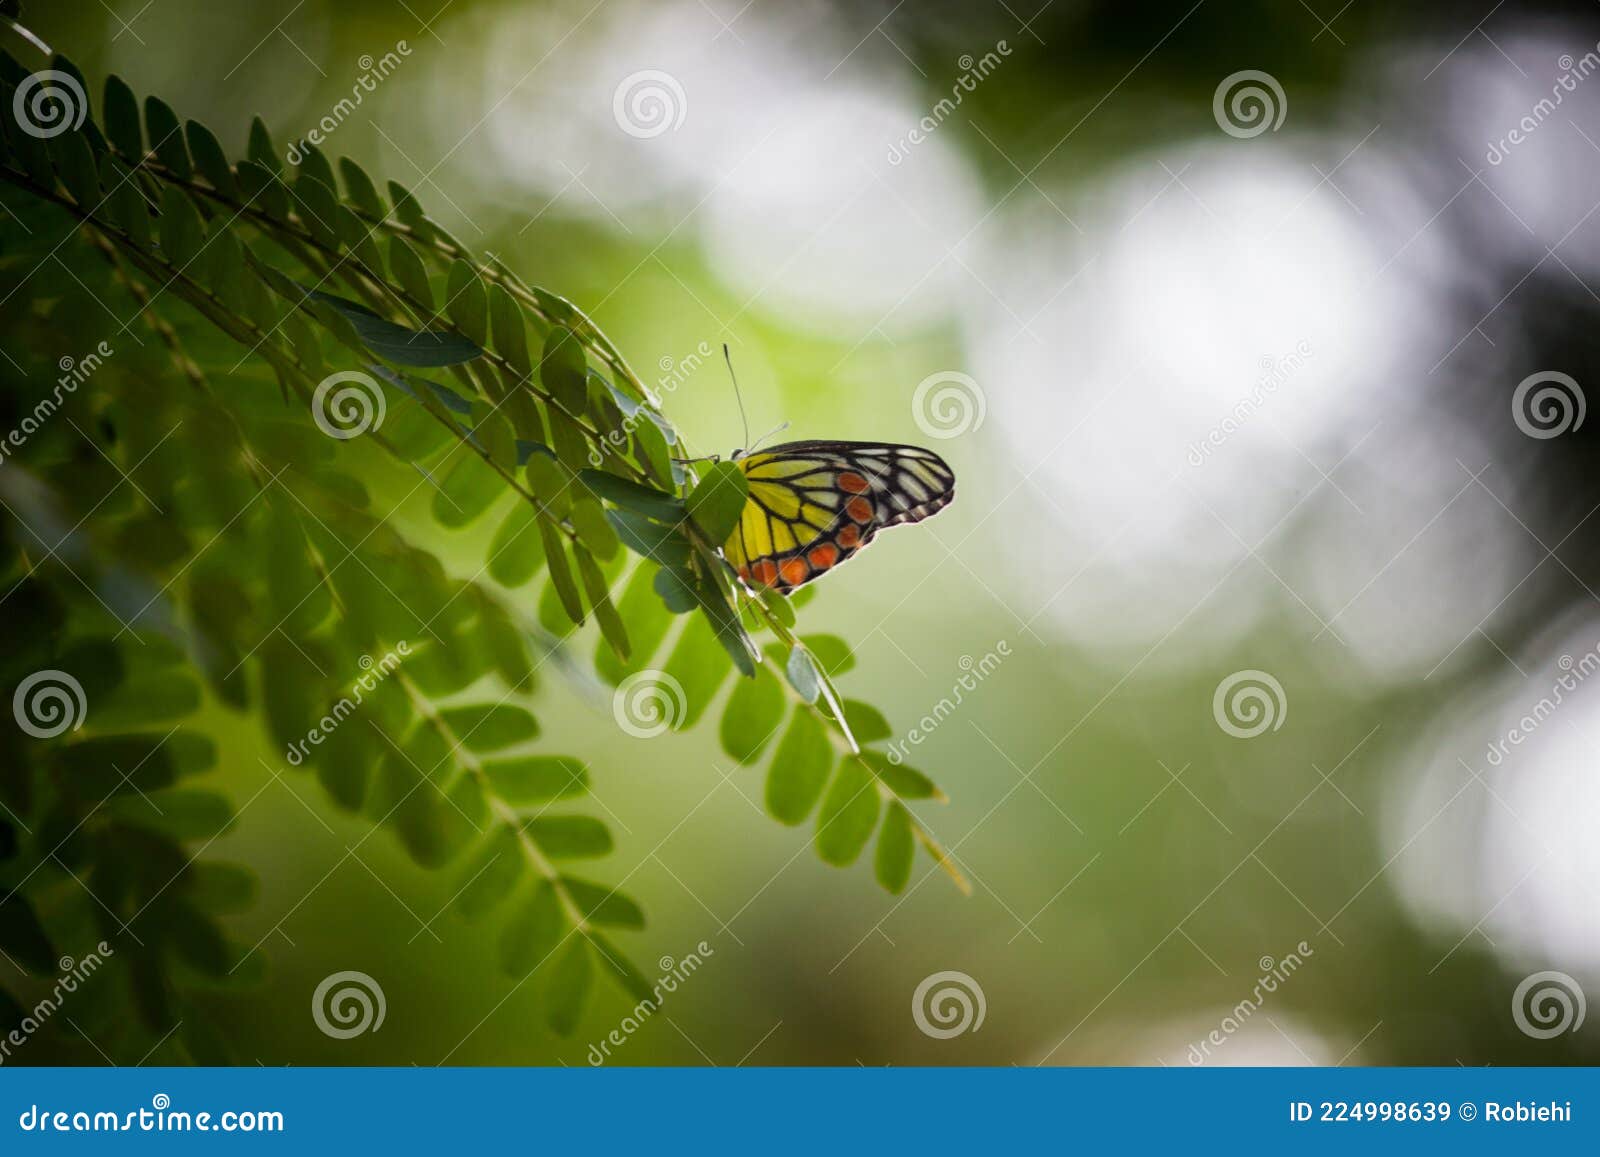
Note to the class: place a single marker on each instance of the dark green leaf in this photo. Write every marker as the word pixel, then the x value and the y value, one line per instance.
pixel 181 231
pixel 564 369
pixel 410 273
pixel 569 987
pixel 211 160
pixel 555 559
pixel 359 188
pixel 261 149
pixel 533 933
pixel 632 496
pixel 400 345
pixel 510 330
pixel 166 137
pixel 122 119
pixel 492 874
pixel 466 301
pixel 594 585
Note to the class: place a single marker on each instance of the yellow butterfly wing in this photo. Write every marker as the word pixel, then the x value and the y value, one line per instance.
pixel 814 504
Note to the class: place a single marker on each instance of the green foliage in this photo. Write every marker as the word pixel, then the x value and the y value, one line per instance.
pixel 253 565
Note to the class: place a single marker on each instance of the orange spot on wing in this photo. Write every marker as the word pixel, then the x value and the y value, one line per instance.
pixel 824 556
pixel 853 483
pixel 744 573
pixel 765 572
pixel 859 509
pixel 849 536
pixel 794 571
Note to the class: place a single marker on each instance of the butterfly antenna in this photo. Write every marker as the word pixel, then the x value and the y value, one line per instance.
pixel 743 421
pixel 778 429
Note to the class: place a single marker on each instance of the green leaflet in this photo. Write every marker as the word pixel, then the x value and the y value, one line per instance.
pixel 849 813
pixel 799 769
pixel 719 500
pixel 897 848
pixel 402 346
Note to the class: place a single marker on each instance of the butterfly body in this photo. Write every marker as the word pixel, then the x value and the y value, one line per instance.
pixel 814 504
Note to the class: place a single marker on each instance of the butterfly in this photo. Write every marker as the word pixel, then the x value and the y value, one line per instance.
pixel 814 504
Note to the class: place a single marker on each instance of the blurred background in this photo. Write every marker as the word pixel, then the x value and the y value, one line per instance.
pixel 1255 333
